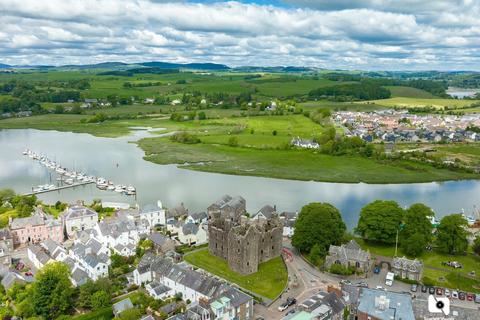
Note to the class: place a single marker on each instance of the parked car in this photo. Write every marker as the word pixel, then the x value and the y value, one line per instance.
pixel 291 301
pixel 470 297
pixel 477 298
pixel 424 289
pixel 454 294
pixel 283 307
pixel 461 295
pixel 381 288
pixel 376 270
pixel 453 264
pixel 439 291
pixel 28 273
pixel 447 293
pixel 290 312
pixel 431 290
pixel 414 288
pixel 362 284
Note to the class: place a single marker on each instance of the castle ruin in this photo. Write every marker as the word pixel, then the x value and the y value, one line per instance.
pixel 243 242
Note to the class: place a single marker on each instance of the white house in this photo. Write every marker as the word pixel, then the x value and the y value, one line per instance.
pixel 155 214
pixel 158 291
pixel 191 233
pixel 54 249
pixel 92 258
pixel 197 217
pixel 120 234
pixel 78 218
pixel 38 256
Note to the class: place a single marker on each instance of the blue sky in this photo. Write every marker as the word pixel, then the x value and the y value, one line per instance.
pixel 346 34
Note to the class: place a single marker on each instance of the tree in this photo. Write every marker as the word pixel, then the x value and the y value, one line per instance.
pixel 202 115
pixel 476 245
pixel 59 109
pixel 130 314
pixel 318 224
pixel 100 299
pixel 417 226
pixel 452 234
pixel 414 245
pixel 380 220
pixel 52 292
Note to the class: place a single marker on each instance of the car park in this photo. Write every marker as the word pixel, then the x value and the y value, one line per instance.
pixel 454 294
pixel 439 291
pixel 447 293
pixel 461 295
pixel 424 289
pixel 414 288
pixel 431 290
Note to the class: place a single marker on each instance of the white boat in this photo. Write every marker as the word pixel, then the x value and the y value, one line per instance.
pixel 25 152
pixel 119 188
pixel 37 189
pixel 110 187
pixel 51 187
pixel 69 181
pixel 131 189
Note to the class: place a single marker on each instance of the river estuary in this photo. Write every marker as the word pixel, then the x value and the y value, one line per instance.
pixel 120 161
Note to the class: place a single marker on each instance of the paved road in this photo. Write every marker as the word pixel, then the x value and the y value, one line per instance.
pixel 310 280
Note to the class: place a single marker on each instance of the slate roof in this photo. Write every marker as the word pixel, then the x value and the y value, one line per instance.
pixel 267 211
pixel 11 277
pixel 177 211
pixel 159 239
pixel 122 305
pixel 189 228
pixel 151 207
pixel 36 219
pixel 53 248
pixel 147 317
pixel 116 227
pixel 78 211
pixel 39 253
pixel 197 216
pixel 79 276
pixel 349 251
pixel 288 215
pixel 407 264
pixel 237 297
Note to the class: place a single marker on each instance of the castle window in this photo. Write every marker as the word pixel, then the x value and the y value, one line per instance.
pixel 272 248
pixel 261 251
pixel 248 263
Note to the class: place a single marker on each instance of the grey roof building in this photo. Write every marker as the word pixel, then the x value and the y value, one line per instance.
pixel 77 218
pixel 121 306
pixel 349 255
pixel 266 212
pixel 384 305
pixel 407 269
pixel 10 279
pixel 161 242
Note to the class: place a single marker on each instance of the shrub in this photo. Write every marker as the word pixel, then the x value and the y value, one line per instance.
pixel 341 270
pixel 184 137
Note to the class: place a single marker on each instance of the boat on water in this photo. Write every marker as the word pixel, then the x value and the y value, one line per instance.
pixel 119 188
pixel 69 181
pixel 111 187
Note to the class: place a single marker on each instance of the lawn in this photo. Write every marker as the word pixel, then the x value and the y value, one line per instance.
pixel 102 314
pixel 269 281
pixel 441 275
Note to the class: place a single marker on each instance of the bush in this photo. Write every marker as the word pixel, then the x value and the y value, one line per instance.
pixel 233 142
pixel 184 137
pixel 428 281
pixel 341 270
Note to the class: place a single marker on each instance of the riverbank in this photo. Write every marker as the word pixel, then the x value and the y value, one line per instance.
pixel 260 149
pixel 292 164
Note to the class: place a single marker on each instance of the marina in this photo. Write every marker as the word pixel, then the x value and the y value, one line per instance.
pixel 71 178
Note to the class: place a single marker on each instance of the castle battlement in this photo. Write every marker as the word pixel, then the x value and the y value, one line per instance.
pixel 243 242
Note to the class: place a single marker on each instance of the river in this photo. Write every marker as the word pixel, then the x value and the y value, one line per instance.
pixel 197 190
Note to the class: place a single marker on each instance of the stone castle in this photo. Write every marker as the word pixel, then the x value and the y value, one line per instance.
pixel 243 242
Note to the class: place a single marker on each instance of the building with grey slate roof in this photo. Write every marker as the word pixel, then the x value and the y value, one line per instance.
pixel 36 228
pixel 37 255
pixel 119 307
pixel 78 218
pixel 119 233
pixel 10 279
pixel 331 300
pixel 266 212
pixel 6 248
pixel 349 255
pixel 92 257
pixel 407 269
pixel 161 243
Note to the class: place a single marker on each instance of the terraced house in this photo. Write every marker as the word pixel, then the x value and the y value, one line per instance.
pixel 78 218
pixel 36 228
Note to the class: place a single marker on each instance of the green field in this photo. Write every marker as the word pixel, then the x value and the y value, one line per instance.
pixel 419 102
pixel 269 281
pixel 408 92
pixel 102 314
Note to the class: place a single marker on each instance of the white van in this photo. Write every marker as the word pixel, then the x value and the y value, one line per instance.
pixel 389 279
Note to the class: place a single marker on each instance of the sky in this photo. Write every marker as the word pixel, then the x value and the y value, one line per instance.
pixel 332 34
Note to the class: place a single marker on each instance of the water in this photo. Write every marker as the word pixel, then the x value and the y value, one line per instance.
pixel 461 93
pixel 197 190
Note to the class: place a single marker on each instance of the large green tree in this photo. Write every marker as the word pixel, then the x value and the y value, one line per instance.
pixel 416 233
pixel 52 292
pixel 318 224
pixel 452 234
pixel 380 220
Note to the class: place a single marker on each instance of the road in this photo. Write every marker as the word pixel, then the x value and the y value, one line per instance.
pixel 310 280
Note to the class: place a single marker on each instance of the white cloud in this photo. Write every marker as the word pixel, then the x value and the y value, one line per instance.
pixel 370 34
